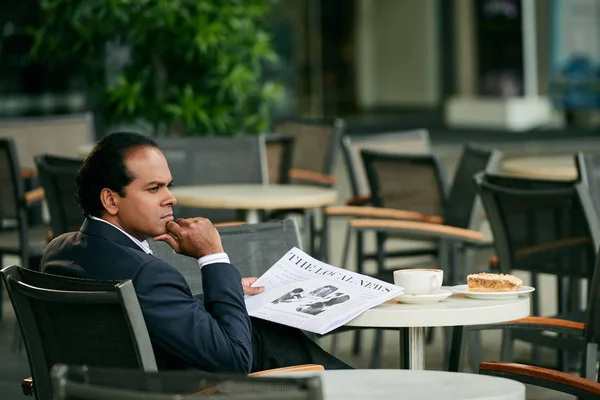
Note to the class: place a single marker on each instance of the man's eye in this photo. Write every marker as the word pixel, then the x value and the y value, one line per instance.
pixel 154 189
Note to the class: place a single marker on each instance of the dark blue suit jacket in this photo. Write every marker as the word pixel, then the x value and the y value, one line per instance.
pixel 212 335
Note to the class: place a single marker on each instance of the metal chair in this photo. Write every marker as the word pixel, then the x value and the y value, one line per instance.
pixel 280 150
pixel 21 240
pixel 316 144
pixel 89 383
pixel 579 387
pixel 252 248
pixel 79 321
pixel 456 238
pixel 214 160
pixel 588 171
pixel 545 227
pixel 57 177
pixel 360 203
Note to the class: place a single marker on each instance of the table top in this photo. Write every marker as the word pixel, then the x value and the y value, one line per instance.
pixel 254 196
pixel 559 167
pixel 456 310
pixel 381 384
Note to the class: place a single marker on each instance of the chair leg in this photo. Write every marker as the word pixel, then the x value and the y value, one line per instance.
pixel 506 347
pixel 377 350
pixel 590 357
pixel 475 349
pixel 356 347
pixel 456 349
pixel 324 244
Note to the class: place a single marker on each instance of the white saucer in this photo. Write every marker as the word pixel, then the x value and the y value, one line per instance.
pixel 464 289
pixel 434 297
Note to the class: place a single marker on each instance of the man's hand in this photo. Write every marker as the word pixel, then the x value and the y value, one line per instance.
pixel 194 237
pixel 246 285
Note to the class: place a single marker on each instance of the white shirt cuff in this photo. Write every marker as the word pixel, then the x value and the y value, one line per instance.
pixel 213 259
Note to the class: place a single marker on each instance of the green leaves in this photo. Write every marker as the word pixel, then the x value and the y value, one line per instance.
pixel 194 64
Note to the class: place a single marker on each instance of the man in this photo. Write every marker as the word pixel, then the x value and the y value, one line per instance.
pixel 123 187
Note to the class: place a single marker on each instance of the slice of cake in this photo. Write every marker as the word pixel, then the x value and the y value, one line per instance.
pixel 486 282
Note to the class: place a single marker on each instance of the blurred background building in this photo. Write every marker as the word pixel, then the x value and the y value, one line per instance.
pixel 498 64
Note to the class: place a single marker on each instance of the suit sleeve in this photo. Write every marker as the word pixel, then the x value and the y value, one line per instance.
pixel 214 335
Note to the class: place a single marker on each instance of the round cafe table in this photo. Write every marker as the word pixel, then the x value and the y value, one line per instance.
pixel 250 198
pixel 555 167
pixel 382 384
pixel 457 311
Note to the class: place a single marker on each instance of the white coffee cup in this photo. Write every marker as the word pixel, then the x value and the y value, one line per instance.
pixel 419 281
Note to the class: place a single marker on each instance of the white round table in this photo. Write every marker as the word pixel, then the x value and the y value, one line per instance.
pixel 556 167
pixel 251 198
pixel 456 310
pixel 388 384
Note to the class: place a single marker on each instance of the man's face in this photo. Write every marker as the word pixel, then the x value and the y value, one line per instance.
pixel 147 205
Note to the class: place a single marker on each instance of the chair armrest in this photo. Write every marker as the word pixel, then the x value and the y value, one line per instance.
pixel 543 377
pixel 230 223
pixel 358 200
pixel 34 195
pixel 293 368
pixel 420 230
pixel 380 212
pixel 573 329
pixel 28 173
pixel 312 177
pixel 27 387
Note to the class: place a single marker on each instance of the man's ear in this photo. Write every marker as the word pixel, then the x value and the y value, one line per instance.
pixel 110 201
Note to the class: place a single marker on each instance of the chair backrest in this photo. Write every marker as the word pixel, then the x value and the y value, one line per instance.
pixel 411 182
pixel 10 181
pixel 404 142
pixel 57 177
pixel 89 383
pixel 79 321
pixel 214 160
pixel 463 207
pixel 280 150
pixel 60 135
pixel 541 226
pixel 588 170
pixel 315 143
pixel 252 248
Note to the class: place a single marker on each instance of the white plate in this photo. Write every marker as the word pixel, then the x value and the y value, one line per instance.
pixel 436 296
pixel 464 289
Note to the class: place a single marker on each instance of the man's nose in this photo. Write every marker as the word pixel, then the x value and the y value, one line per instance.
pixel 171 200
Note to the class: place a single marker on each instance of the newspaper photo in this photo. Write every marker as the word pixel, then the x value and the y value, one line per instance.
pixel 311 295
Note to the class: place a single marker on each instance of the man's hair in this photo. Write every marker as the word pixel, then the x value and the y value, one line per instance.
pixel 105 167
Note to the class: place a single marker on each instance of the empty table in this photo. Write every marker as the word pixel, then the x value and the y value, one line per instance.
pixel 384 384
pixel 250 198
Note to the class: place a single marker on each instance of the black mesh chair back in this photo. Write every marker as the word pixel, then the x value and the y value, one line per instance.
pixel 89 383
pixel 12 186
pixel 405 181
pixel 543 227
pixel 79 321
pixel 588 169
pixel 404 142
pixel 57 176
pixel 252 248
pixel 463 207
pixel 280 150
pixel 315 143
pixel 212 161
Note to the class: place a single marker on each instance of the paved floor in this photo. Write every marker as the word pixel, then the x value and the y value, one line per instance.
pixel 13 367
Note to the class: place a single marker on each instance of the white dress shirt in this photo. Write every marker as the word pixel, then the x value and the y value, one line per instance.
pixel 202 261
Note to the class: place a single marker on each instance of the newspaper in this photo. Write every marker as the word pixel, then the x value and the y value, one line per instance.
pixel 311 295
